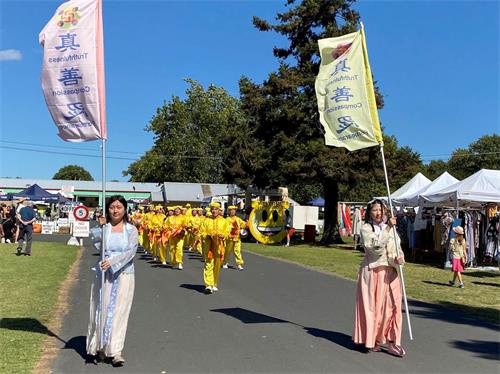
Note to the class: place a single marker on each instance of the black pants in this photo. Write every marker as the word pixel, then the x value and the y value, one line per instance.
pixel 28 231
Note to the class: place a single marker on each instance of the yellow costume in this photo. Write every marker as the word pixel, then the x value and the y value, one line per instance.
pixel 145 231
pixel 233 243
pixel 177 226
pixel 194 225
pixel 165 237
pixel 214 231
pixel 155 228
pixel 137 221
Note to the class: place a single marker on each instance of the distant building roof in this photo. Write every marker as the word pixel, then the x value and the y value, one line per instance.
pixel 56 184
pixel 175 191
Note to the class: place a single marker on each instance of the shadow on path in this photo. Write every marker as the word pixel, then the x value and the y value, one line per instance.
pixel 78 344
pixel 338 338
pixel 456 313
pixel 195 287
pixel 483 349
pixel 248 316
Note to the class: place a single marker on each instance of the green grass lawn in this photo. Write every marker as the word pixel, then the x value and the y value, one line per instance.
pixel 28 295
pixel 480 297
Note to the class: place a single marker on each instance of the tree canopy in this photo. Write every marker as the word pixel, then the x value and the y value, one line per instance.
pixel 283 112
pixel 203 138
pixel 73 172
pixel 271 135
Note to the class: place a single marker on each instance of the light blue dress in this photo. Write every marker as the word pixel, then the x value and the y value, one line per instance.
pixel 117 296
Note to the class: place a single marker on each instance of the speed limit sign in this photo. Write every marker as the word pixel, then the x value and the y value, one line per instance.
pixel 81 212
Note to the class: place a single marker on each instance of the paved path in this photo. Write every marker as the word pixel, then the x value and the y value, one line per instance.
pixel 274 317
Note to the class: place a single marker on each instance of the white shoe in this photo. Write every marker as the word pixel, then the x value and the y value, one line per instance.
pixel 208 290
pixel 155 258
pixel 240 267
pixel 7 241
pixel 215 289
pixel 163 263
pixel 179 267
pixel 225 266
pixel 118 360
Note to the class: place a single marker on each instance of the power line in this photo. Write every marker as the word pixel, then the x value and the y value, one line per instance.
pixel 64 147
pixel 440 156
pixel 107 157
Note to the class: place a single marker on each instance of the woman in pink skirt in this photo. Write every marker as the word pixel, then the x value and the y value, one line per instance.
pixel 378 317
pixel 458 250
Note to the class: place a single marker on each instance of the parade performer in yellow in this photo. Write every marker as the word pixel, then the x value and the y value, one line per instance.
pixel 194 225
pixel 165 236
pixel 177 226
pixel 137 221
pixel 155 228
pixel 214 231
pixel 145 229
pixel 233 243
pixel 188 238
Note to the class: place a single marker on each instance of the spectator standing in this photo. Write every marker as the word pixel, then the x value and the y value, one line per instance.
pixel 26 217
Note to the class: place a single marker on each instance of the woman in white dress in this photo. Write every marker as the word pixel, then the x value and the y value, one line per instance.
pixel 120 245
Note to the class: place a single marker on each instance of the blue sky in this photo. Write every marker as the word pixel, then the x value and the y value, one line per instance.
pixel 437 63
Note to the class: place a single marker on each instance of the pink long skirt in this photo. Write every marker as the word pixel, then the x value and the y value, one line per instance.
pixel 378 317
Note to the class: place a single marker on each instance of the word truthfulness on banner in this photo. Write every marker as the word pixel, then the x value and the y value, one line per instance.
pixel 73 70
pixel 344 90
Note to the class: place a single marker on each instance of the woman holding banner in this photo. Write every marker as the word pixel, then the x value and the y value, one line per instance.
pixel 106 335
pixel 378 317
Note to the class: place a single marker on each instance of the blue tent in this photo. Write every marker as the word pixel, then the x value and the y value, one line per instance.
pixel 36 193
pixel 319 201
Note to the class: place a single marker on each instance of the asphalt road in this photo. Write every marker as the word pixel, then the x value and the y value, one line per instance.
pixel 273 317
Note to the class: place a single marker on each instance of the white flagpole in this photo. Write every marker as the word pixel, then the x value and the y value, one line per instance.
pixel 397 247
pixel 103 274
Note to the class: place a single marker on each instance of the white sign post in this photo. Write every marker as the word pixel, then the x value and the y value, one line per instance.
pixel 80 227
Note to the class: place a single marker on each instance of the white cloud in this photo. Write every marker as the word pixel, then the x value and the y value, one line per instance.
pixel 10 55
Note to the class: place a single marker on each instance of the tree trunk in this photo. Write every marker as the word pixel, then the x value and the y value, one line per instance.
pixel 331 233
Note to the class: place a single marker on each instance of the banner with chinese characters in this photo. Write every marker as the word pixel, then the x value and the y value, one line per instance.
pixel 345 94
pixel 73 70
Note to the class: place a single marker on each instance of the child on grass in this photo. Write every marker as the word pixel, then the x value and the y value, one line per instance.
pixel 459 256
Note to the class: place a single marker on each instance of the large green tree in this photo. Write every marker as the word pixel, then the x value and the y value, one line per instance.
pixel 435 168
pixel 195 140
pixel 484 153
pixel 73 172
pixel 283 113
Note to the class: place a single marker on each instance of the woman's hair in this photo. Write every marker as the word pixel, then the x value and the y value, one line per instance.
pixel 369 207
pixel 122 200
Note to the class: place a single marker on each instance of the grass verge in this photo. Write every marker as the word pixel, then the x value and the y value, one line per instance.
pixel 479 298
pixel 28 295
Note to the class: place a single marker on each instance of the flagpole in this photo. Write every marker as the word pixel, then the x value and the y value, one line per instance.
pixel 103 274
pixel 398 250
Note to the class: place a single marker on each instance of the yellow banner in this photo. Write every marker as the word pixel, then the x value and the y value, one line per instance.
pixel 345 94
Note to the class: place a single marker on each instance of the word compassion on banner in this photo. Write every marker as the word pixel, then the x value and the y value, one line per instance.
pixel 73 70
pixel 344 91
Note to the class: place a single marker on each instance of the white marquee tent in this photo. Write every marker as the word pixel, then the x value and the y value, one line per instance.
pixel 481 187
pixel 412 199
pixel 415 184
